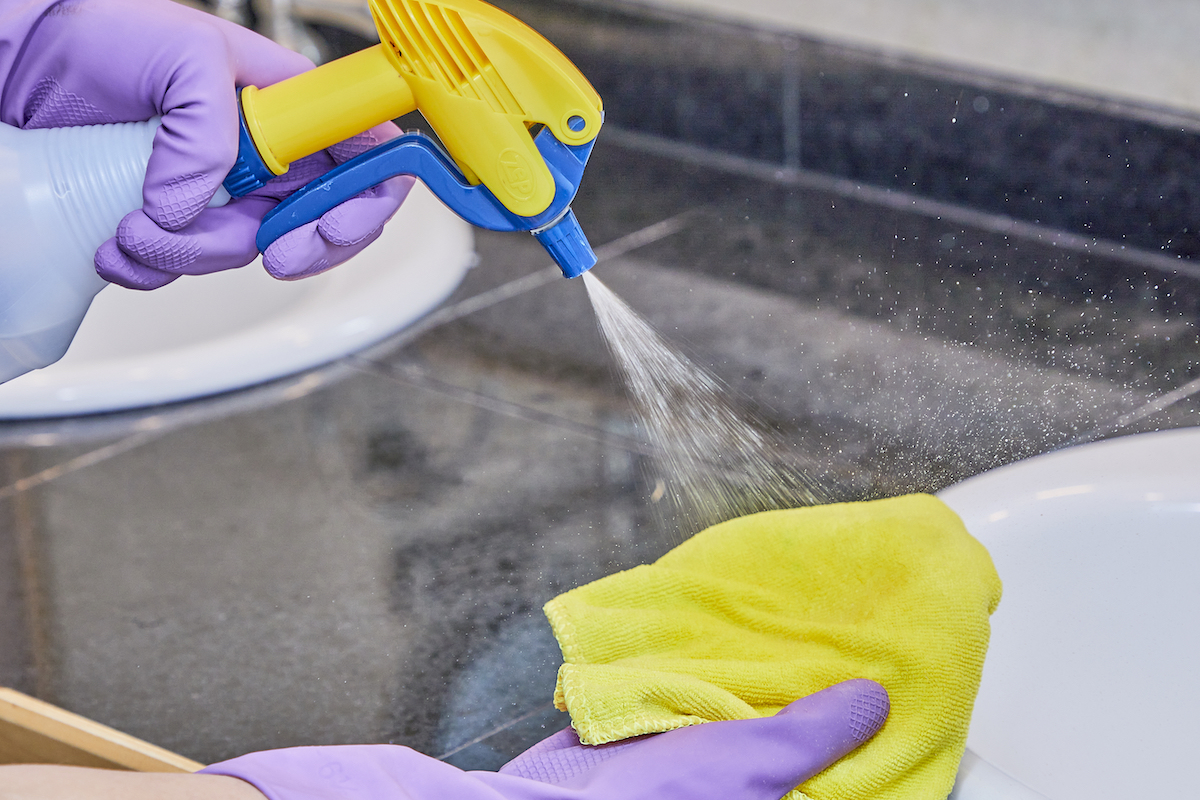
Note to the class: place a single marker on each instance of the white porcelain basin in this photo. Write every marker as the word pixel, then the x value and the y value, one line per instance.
pixel 1091 689
pixel 208 334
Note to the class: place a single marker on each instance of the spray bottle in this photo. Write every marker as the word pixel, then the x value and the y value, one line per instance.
pixel 516 120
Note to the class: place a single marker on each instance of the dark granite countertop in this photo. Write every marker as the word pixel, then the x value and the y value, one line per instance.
pixel 914 274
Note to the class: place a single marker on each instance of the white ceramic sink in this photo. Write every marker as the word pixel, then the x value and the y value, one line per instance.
pixel 214 333
pixel 1091 687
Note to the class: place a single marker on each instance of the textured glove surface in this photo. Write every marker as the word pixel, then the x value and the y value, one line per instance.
pixel 89 62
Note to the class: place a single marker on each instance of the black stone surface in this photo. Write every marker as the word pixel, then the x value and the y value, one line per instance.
pixel 1042 154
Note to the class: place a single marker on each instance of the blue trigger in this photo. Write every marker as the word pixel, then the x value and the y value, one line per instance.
pixel 420 156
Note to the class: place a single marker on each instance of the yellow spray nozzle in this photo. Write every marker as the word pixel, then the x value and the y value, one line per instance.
pixel 479 76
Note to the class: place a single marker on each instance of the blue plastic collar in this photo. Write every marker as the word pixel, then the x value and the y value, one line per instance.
pixel 249 171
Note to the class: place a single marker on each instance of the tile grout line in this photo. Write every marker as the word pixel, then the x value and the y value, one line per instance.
pixel 903 201
pixel 30 572
pixel 790 98
pixel 1160 403
pixel 506 291
pixel 413 375
pixel 496 730
pixel 88 459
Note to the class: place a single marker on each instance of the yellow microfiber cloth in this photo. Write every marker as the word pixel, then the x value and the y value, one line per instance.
pixel 753 613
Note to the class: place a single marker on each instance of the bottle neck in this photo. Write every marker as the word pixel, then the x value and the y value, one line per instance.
pixel 96 174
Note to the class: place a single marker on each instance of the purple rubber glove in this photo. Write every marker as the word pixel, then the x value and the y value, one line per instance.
pixel 96 61
pixel 756 759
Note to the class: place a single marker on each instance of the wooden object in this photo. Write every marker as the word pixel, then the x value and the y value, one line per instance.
pixel 35 732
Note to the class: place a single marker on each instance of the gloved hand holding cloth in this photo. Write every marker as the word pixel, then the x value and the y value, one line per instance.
pixel 751 613
pixel 757 759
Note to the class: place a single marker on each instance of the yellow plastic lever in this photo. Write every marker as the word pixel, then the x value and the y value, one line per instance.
pixel 479 76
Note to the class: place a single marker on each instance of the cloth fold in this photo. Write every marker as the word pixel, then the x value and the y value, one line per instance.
pixel 753 613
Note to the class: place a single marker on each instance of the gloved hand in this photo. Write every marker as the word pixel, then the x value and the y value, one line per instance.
pixel 755 759
pixel 98 61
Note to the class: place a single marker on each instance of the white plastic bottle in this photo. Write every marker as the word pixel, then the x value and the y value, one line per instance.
pixel 62 193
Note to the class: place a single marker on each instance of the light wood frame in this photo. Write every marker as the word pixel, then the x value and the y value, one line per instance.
pixel 36 732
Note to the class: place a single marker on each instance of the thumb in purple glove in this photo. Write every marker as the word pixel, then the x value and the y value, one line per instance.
pixel 756 759
pixel 745 759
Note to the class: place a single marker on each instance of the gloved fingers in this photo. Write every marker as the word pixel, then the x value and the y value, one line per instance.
pixel 560 757
pixel 339 235
pixel 311 167
pixel 303 252
pixel 753 759
pixel 115 267
pixel 845 716
pixel 198 141
pixel 298 174
pixel 357 145
pixel 144 256
pixel 362 215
